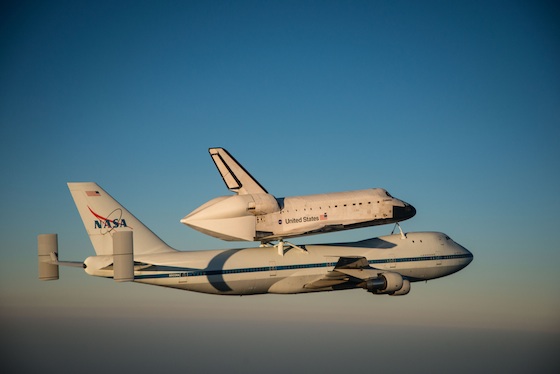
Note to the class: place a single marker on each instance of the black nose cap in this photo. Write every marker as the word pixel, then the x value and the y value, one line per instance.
pixel 400 213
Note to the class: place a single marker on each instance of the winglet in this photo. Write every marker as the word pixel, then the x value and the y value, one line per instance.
pixel 236 178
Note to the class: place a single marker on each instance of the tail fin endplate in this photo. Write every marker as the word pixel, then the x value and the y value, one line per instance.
pixel 103 216
pixel 47 244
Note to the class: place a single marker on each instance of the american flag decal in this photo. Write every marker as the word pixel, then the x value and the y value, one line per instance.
pixel 93 193
pixel 323 217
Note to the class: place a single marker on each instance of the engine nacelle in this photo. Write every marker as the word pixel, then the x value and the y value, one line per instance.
pixel 404 290
pixel 386 283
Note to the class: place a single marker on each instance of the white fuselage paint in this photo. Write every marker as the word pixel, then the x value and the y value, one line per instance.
pixel 417 257
pixel 262 217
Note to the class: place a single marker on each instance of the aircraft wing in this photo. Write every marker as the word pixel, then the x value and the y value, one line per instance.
pixel 236 178
pixel 347 269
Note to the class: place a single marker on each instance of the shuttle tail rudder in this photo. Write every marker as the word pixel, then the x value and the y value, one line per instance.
pixel 103 216
pixel 236 178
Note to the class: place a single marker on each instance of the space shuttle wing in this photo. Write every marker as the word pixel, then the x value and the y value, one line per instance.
pixel 347 269
pixel 236 178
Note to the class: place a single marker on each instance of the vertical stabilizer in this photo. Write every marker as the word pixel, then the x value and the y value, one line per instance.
pixel 236 178
pixel 103 216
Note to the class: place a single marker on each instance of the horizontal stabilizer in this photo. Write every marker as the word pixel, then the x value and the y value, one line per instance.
pixel 47 248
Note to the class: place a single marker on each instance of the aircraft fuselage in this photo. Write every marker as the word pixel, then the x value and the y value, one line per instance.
pixel 310 268
pixel 262 217
pixel 253 214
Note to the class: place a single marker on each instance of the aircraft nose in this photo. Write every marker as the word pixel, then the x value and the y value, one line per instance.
pixel 401 213
pixel 469 255
pixel 466 255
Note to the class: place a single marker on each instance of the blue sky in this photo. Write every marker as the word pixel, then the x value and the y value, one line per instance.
pixel 453 107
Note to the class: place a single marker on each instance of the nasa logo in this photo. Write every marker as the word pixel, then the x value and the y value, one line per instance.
pixel 107 223
pixel 112 221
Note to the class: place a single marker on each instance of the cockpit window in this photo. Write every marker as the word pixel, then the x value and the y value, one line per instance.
pixel 447 237
pixel 388 194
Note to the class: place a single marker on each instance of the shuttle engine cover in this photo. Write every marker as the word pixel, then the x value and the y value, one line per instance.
pixel 263 204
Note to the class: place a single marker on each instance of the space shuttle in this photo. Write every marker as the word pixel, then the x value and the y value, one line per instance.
pixel 253 214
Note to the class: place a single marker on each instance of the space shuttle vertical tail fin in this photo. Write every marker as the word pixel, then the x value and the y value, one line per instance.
pixel 236 178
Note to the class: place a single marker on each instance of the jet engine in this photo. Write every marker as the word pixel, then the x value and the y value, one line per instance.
pixel 404 290
pixel 386 283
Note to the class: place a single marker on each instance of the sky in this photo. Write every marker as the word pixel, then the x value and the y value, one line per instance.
pixel 453 107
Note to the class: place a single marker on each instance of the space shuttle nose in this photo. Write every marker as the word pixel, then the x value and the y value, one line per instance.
pixel 401 213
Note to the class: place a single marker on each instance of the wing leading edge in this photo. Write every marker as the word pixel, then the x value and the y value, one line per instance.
pixel 347 269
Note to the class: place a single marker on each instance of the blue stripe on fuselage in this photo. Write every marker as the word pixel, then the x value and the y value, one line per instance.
pixel 208 272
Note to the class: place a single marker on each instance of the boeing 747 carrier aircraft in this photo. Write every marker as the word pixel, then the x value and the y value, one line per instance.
pixel 126 250
pixel 252 214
